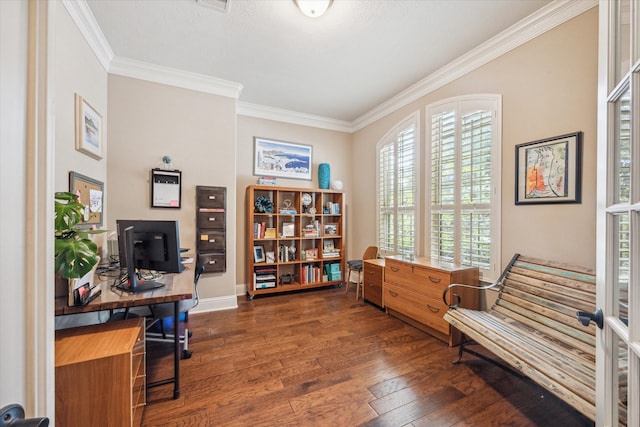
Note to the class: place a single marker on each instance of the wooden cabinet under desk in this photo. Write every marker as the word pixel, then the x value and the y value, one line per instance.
pixel 100 374
pixel 413 292
pixel 373 272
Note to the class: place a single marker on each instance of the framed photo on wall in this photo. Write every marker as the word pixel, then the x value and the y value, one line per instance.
pixel 549 170
pixel 88 128
pixel 281 159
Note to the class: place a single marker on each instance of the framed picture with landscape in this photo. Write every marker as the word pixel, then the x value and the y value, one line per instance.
pixel 281 159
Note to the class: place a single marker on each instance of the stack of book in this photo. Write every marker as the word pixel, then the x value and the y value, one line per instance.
pixel 311 230
pixel 329 250
pixel 264 277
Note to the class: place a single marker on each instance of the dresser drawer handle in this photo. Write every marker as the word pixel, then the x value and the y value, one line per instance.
pixel 393 294
pixel 212 261
pixel 212 240
pixel 435 279
pixel 213 218
pixel 394 269
pixel 432 308
pixel 212 197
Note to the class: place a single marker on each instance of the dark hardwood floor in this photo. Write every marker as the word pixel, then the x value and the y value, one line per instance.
pixel 320 358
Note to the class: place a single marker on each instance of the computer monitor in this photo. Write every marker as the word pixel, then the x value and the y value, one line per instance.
pixel 133 284
pixel 156 245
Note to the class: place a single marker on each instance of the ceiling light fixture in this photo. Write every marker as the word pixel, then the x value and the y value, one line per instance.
pixel 313 8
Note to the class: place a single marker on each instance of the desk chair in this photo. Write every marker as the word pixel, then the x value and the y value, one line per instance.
pixel 356 265
pixel 161 311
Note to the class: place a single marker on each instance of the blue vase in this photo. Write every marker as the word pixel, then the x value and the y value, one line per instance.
pixel 324 175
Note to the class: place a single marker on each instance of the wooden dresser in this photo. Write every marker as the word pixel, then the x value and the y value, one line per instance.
pixel 413 292
pixel 373 272
pixel 100 374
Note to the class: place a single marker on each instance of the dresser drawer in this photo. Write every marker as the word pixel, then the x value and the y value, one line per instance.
pixel 428 311
pixel 211 240
pixel 397 272
pixel 211 220
pixel 372 273
pixel 211 197
pixel 213 263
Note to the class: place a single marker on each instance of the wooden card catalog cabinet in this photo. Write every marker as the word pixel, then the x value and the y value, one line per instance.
pixel 211 228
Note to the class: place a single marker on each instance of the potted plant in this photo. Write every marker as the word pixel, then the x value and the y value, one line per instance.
pixel 76 255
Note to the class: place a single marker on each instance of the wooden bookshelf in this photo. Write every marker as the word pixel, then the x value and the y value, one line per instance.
pixel 295 239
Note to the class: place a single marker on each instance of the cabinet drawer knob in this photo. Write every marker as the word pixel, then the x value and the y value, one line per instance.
pixel 212 240
pixel 213 261
pixel 394 269
pixel 435 279
pixel 212 218
pixel 432 308
pixel 212 197
pixel 393 294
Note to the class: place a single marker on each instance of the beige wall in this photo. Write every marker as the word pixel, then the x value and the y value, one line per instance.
pixel 77 70
pixel 548 88
pixel 198 130
pixel 328 147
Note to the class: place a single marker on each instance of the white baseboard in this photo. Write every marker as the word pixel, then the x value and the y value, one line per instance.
pixel 216 304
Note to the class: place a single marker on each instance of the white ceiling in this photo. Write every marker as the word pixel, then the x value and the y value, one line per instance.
pixel 339 66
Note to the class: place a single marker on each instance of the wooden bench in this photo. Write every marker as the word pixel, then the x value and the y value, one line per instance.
pixel 533 327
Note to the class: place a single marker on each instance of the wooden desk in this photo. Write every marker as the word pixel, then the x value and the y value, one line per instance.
pixel 177 287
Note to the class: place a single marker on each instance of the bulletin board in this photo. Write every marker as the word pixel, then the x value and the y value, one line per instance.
pixel 166 188
pixel 91 194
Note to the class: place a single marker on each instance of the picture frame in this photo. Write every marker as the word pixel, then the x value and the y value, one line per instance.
pixel 91 194
pixel 258 254
pixel 288 229
pixel 311 254
pixel 166 188
pixel 282 159
pixel 330 229
pixel 549 170
pixel 88 128
pixel 270 257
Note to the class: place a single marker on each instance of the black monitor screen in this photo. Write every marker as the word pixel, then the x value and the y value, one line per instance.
pixel 156 244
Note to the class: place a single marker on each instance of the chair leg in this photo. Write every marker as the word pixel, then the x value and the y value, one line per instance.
pixel 346 282
pixel 358 287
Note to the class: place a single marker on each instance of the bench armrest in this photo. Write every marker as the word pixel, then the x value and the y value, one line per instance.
pixel 455 298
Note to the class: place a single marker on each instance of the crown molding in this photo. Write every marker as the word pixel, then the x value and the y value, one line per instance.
pixel 90 30
pixel 555 13
pixel 539 22
pixel 293 117
pixel 173 77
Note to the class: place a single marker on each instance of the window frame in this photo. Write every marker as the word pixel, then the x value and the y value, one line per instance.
pixel 491 102
pixel 391 137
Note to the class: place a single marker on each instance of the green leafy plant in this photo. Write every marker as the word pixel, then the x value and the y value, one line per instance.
pixel 75 252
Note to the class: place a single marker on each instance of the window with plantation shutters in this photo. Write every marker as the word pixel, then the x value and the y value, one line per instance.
pixel 463 181
pixel 397 189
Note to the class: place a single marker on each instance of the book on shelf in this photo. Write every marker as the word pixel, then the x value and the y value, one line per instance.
pixel 259 230
pixel 270 233
pixel 332 208
pixel 310 274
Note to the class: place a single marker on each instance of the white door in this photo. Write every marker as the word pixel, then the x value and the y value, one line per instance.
pixel 618 220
